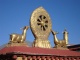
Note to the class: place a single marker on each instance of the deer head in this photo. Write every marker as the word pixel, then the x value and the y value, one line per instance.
pixel 53 32
pixel 25 27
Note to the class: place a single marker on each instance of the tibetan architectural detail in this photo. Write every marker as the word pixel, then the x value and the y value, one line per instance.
pixel 18 39
pixel 35 53
pixel 60 43
pixel 41 27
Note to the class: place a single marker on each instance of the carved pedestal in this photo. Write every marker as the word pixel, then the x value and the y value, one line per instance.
pixel 17 44
pixel 41 43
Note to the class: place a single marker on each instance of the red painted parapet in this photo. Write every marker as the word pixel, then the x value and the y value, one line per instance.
pixel 38 53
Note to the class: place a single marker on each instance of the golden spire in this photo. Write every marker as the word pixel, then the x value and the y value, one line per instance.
pixel 65 36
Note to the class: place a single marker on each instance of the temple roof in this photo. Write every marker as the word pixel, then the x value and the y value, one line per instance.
pixel 74 47
pixel 37 51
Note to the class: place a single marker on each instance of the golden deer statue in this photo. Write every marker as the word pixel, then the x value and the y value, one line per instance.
pixel 60 43
pixel 19 38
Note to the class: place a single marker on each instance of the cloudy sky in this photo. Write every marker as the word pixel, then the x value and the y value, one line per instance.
pixel 15 14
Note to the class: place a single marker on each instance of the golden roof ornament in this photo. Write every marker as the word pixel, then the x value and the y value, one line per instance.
pixel 41 25
pixel 60 43
pixel 65 36
pixel 18 39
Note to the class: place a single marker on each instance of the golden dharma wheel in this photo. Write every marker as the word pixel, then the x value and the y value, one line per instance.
pixel 40 23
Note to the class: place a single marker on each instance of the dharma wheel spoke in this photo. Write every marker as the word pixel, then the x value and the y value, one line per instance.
pixel 44 28
pixel 38 23
pixel 38 20
pixel 41 27
pixel 42 17
pixel 42 22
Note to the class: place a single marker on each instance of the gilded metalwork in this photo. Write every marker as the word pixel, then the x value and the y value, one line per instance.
pixel 41 27
pixel 61 43
pixel 19 38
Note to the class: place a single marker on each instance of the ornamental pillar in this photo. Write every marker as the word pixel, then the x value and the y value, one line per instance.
pixel 24 57
pixel 33 57
pixel 52 58
pixel 65 58
pixel 72 58
pixel 61 58
pixel 38 58
pixel 48 58
pixel 29 58
pixel 56 58
pixel 78 58
pixel 43 58
pixel 19 58
pixel 14 57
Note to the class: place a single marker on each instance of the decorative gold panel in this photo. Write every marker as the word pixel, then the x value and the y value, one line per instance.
pixel 40 24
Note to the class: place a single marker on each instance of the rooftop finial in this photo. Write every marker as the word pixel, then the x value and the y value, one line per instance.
pixel 65 29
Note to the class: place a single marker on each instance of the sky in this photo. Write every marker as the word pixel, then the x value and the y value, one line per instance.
pixel 15 14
